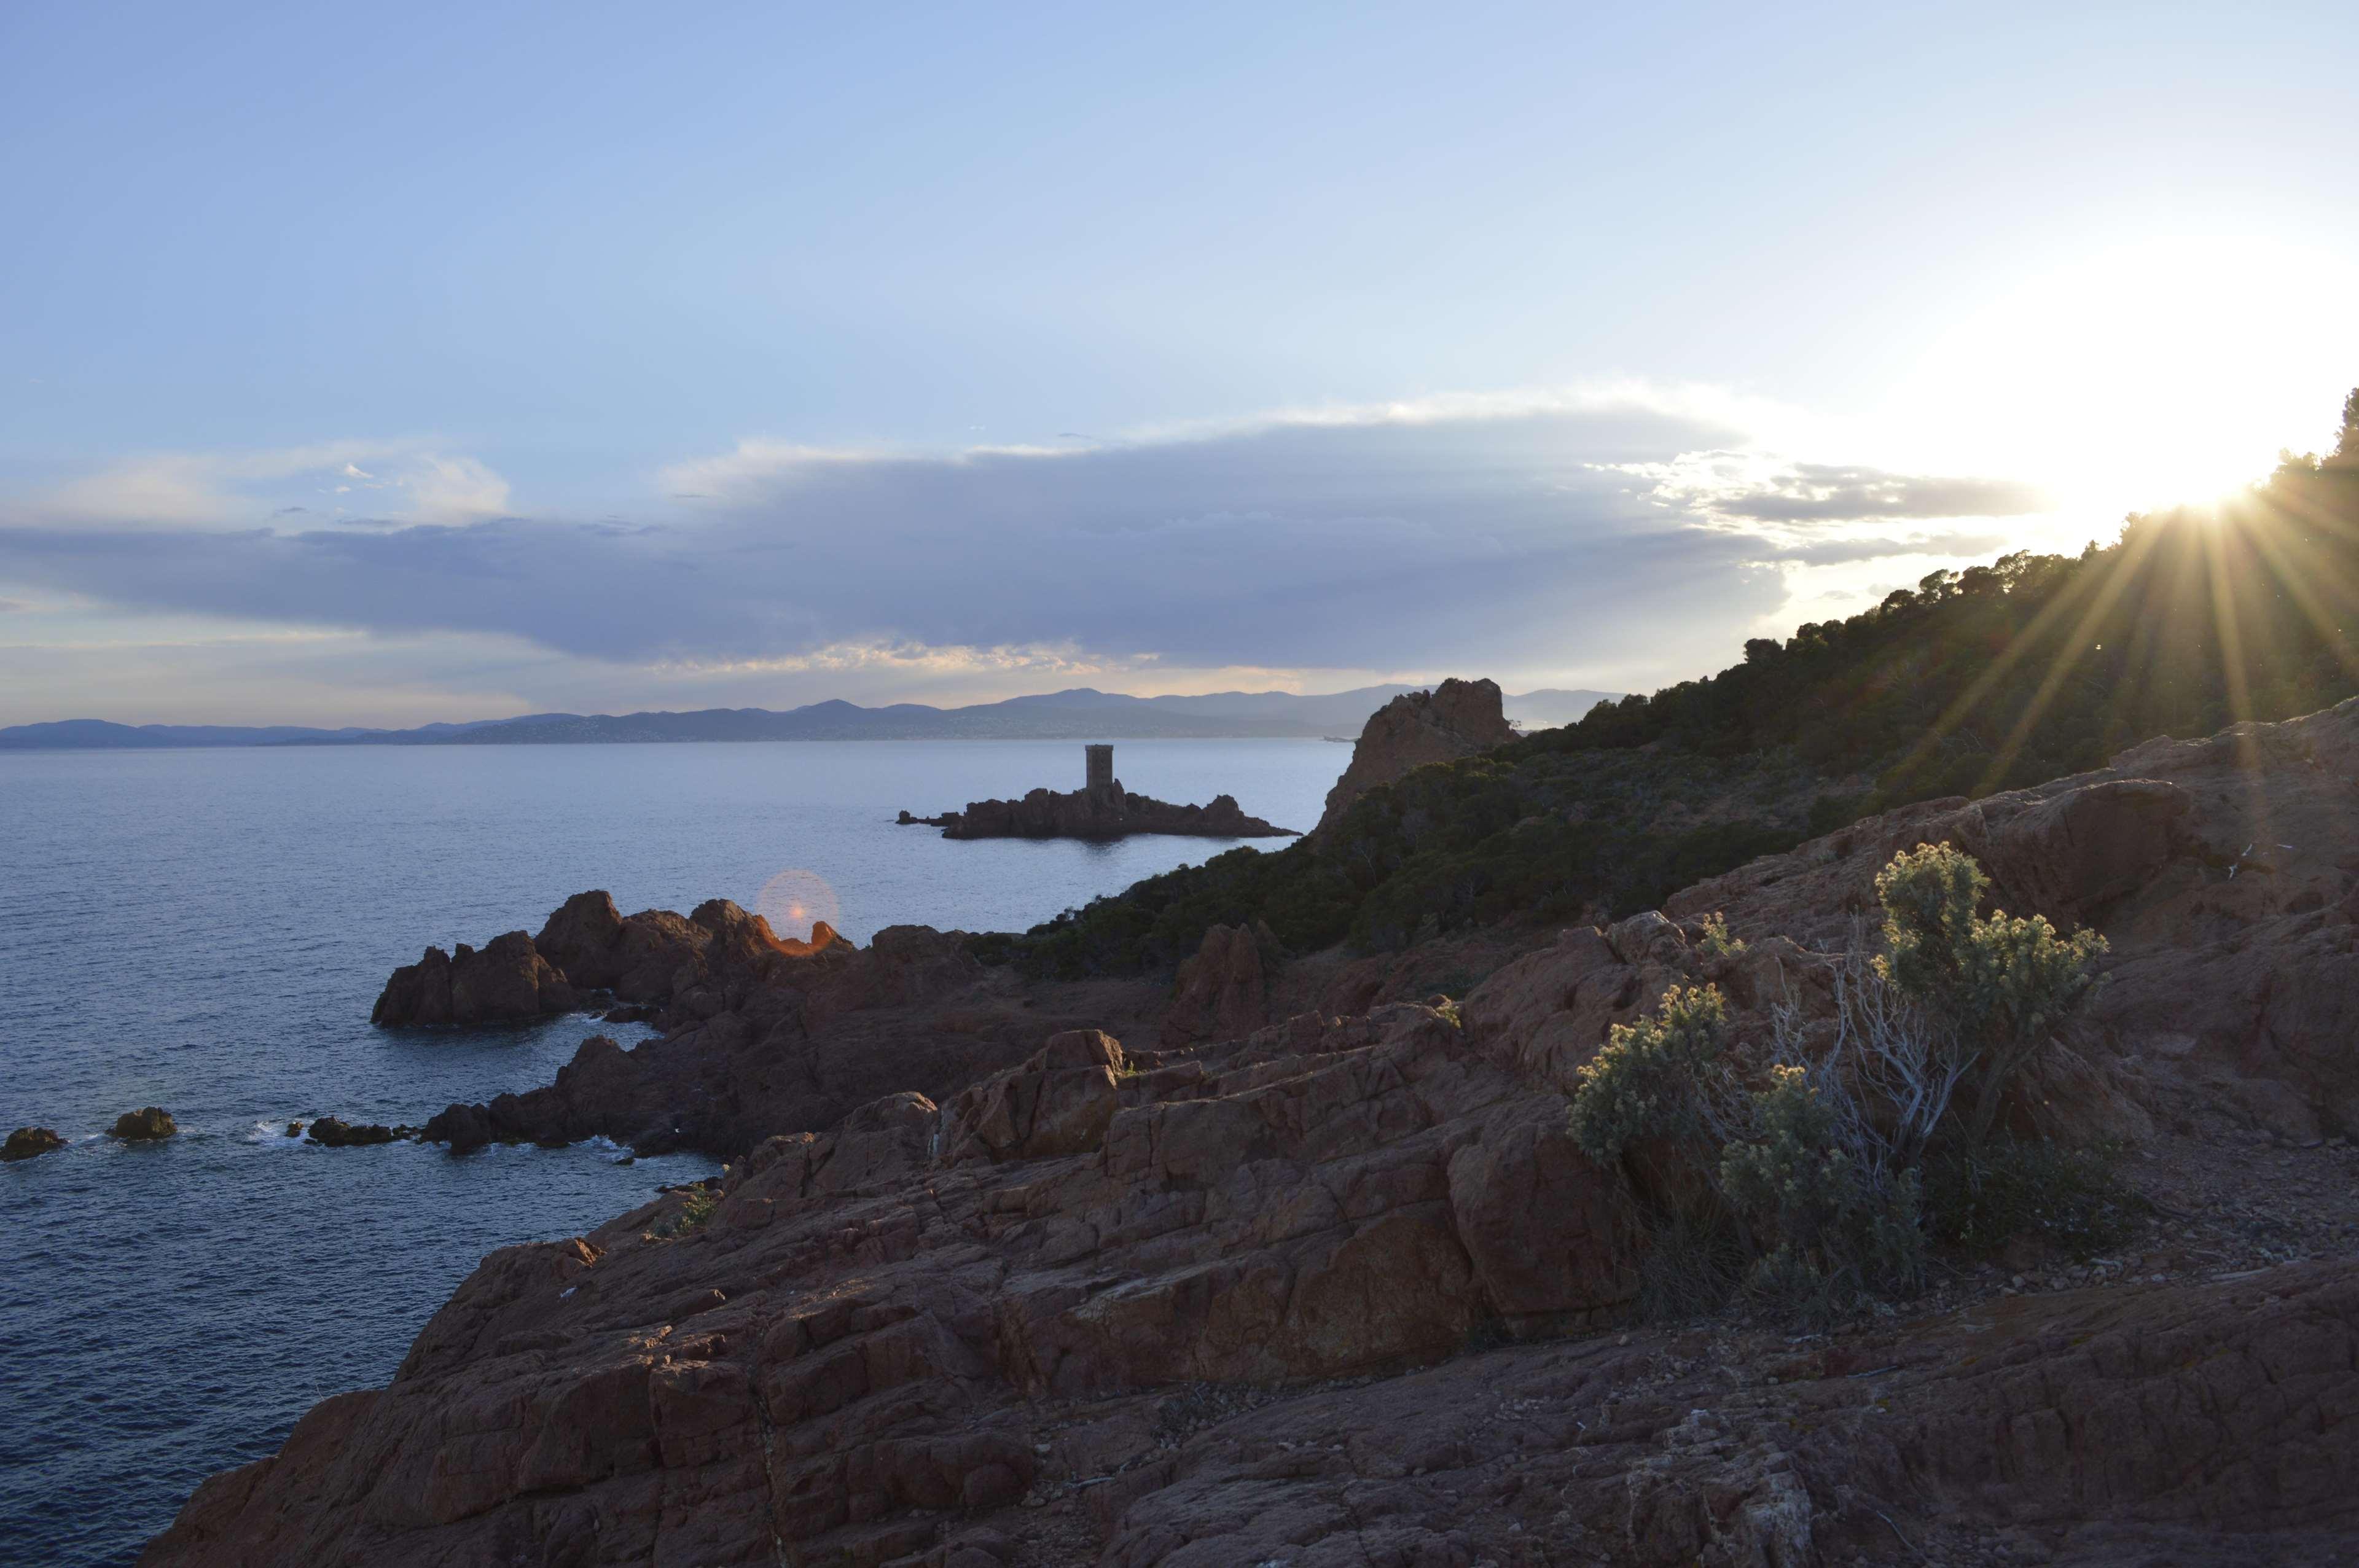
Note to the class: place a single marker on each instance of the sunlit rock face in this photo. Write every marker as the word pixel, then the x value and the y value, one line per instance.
pixel 1456 718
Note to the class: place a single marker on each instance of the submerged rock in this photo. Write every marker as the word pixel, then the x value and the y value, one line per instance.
pixel 146 1125
pixel 27 1143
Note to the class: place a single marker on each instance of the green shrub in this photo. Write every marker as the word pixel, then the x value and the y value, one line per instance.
pixel 695 1210
pixel 1662 1077
pixel 2001 985
pixel 1817 1191
pixel 1715 942
pixel 1807 1192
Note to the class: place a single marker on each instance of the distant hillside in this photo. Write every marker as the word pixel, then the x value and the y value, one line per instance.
pixel 2029 668
pixel 1081 714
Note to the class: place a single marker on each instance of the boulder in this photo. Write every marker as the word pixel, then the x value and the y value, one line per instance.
pixel 466 1127
pixel 27 1143
pixel 1456 718
pixel 146 1126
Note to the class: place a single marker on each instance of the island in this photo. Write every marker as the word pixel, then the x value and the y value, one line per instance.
pixel 1101 808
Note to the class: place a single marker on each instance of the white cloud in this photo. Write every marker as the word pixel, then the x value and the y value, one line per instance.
pixel 409 481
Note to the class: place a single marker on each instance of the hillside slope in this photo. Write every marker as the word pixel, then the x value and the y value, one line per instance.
pixel 2032 667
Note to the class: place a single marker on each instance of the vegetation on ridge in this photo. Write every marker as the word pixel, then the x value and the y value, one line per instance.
pixel 1999 677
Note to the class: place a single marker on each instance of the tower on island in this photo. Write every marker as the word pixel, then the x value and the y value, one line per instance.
pixel 1101 767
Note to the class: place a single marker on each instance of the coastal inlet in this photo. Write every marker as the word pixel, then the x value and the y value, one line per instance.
pixel 1100 809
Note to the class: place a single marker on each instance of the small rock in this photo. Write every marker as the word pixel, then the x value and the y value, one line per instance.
pixel 294 1130
pixel 28 1141
pixel 337 1133
pixel 144 1126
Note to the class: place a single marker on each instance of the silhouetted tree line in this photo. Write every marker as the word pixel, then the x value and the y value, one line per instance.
pixel 2028 668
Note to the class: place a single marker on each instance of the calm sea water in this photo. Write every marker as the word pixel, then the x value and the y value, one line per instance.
pixel 206 930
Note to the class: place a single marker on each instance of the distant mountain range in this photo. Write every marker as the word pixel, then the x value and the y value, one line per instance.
pixel 1081 714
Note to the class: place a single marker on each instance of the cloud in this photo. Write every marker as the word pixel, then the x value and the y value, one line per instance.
pixel 408 480
pixel 13 606
pixel 1755 487
pixel 1460 533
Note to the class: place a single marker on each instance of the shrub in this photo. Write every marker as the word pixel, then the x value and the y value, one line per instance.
pixel 2074 1199
pixel 2001 985
pixel 1695 1261
pixel 1716 943
pixel 1818 1172
pixel 695 1209
pixel 1815 1202
pixel 1660 1077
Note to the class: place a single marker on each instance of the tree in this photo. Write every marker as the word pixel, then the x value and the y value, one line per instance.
pixel 2346 445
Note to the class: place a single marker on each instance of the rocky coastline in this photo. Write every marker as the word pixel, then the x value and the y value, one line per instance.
pixel 1322 1277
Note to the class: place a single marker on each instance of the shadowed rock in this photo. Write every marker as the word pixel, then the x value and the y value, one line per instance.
pixel 27 1143
pixel 1100 813
pixel 147 1126
pixel 1456 718
pixel 508 981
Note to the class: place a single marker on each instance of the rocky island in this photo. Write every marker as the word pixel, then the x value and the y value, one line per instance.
pixel 1101 809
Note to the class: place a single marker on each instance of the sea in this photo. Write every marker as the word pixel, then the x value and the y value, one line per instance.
pixel 205 931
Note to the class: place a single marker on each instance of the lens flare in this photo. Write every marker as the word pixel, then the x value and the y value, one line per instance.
pixel 795 899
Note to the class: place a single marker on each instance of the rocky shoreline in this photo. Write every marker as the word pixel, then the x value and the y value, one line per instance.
pixel 1322 1277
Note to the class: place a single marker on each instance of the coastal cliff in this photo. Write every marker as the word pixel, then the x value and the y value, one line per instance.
pixel 1345 1288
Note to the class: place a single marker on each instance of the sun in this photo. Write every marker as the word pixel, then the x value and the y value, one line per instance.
pixel 2168 369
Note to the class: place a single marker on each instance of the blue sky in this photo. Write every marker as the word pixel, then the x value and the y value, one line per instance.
pixel 443 361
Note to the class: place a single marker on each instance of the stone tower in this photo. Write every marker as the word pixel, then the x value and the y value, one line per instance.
pixel 1101 767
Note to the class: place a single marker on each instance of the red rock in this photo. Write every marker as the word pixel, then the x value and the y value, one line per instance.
pixel 1222 992
pixel 507 983
pixel 1456 718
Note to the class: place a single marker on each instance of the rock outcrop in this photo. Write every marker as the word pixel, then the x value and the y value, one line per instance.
pixel 337 1133
pixel 1101 813
pixel 27 1143
pixel 1343 1290
pixel 762 1036
pixel 1456 718
pixel 508 981
pixel 1222 992
pixel 151 1125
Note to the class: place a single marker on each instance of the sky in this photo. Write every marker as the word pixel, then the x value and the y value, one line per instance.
pixel 390 364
